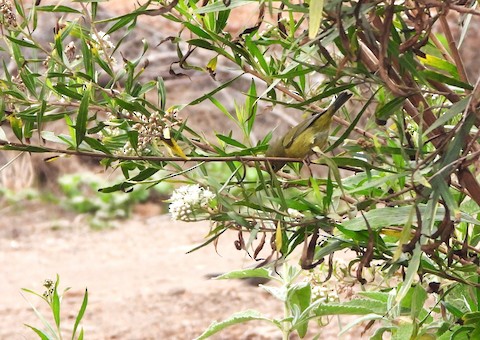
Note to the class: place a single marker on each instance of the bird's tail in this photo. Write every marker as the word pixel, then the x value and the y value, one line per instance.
pixel 338 103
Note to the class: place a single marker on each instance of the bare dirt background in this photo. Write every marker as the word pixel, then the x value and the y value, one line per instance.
pixel 141 282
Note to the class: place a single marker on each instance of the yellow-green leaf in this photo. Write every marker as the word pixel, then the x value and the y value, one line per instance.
pixel 278 237
pixel 315 13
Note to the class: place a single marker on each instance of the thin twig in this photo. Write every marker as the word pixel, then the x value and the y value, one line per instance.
pixel 441 48
pixel 244 159
pixel 453 49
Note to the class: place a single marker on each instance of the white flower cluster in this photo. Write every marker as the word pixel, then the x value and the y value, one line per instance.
pixel 189 201
pixel 103 38
pixel 324 293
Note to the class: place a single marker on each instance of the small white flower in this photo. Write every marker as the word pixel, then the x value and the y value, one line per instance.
pixel 294 213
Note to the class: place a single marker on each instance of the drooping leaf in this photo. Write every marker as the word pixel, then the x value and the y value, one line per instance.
pixel 234 319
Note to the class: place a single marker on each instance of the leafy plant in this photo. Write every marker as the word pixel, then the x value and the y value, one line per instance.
pixel 397 184
pixel 54 299
pixel 81 195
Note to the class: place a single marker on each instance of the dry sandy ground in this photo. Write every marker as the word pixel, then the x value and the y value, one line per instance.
pixel 141 282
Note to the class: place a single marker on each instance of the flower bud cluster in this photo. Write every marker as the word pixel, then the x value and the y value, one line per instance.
pixel 150 130
pixel 70 51
pixel 50 286
pixel 9 18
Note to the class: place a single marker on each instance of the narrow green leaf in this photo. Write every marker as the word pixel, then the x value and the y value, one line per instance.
pixel 87 57
pixel 341 309
pixel 57 9
pixel 82 117
pixel 40 115
pixel 26 147
pixel 59 47
pixel 219 6
pixel 246 273
pixel 198 31
pixel 104 65
pixel 211 93
pixel 216 234
pixel 122 21
pixel 379 296
pixel 29 79
pixel 125 105
pixel 56 307
pixel 257 54
pixel 19 8
pixel 352 124
pixel 20 42
pixel 42 335
pixel 28 128
pixel 251 105
pixel 445 79
pixel 162 93
pixel 331 247
pixel 378 335
pixel 80 314
pixel 206 45
pixel 455 109
pixel 384 112
pixel 143 175
pixel 452 309
pixel 440 64
pixel 231 141
pixel 376 183
pixel 62 89
pixel 333 168
pixel 356 162
pixel 96 145
pixel 222 108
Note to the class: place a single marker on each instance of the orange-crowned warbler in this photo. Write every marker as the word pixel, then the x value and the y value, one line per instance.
pixel 300 139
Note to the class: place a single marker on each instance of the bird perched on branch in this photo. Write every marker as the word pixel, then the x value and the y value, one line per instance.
pixel 299 141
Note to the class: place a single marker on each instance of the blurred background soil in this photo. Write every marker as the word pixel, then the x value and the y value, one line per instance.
pixel 141 282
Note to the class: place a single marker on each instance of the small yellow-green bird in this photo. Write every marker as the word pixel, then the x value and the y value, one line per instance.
pixel 300 139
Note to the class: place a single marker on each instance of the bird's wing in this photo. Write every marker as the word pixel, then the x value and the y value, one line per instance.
pixel 298 129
